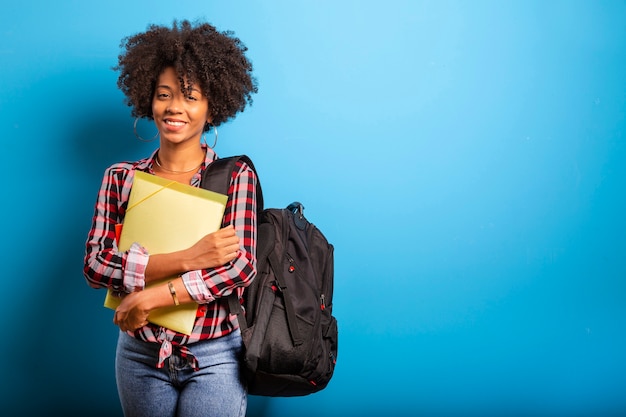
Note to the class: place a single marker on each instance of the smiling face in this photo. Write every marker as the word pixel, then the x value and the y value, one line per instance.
pixel 180 115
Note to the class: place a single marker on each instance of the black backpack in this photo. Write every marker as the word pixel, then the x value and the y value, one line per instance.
pixel 288 330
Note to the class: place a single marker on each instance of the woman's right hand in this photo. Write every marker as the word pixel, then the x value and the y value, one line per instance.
pixel 214 249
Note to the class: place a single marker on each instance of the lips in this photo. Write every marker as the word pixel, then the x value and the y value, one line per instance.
pixel 174 125
pixel 174 122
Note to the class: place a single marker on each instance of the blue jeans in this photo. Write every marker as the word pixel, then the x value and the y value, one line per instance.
pixel 215 390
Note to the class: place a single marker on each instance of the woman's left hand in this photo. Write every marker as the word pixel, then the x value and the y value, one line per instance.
pixel 130 315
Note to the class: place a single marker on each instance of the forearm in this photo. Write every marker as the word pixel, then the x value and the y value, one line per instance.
pixel 159 295
pixel 166 265
pixel 135 308
pixel 213 250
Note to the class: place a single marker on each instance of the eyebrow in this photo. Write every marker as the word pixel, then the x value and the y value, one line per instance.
pixel 170 88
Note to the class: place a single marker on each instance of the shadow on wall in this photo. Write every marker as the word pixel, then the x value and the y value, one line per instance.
pixel 67 339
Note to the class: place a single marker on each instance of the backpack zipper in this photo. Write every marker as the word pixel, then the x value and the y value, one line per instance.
pixel 292 266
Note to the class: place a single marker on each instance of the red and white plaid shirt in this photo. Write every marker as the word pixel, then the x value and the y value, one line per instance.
pixel 107 267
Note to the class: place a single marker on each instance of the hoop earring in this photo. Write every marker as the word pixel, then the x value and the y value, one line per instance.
pixel 204 137
pixel 139 136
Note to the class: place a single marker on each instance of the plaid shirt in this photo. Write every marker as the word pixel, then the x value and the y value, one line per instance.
pixel 107 267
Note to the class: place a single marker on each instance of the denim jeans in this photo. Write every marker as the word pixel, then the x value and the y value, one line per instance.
pixel 215 390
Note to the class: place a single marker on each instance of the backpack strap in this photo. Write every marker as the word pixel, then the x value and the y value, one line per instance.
pixel 290 311
pixel 216 177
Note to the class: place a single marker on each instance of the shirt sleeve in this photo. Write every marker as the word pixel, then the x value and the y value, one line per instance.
pixel 104 265
pixel 206 285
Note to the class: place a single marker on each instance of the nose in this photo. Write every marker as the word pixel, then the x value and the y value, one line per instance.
pixel 174 106
pixel 173 109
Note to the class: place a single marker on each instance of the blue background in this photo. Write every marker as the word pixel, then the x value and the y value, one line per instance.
pixel 467 160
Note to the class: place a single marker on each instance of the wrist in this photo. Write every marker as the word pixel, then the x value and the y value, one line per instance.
pixel 154 297
pixel 185 260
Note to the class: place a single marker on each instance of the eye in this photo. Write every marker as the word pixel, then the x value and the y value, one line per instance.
pixel 192 98
pixel 162 95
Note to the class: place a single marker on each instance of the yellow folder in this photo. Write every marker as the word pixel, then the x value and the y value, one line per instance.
pixel 166 216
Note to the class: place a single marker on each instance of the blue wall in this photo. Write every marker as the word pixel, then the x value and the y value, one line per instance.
pixel 467 159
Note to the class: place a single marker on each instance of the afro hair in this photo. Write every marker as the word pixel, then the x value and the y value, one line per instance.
pixel 199 53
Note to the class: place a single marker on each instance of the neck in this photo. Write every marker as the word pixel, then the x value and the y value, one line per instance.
pixel 175 163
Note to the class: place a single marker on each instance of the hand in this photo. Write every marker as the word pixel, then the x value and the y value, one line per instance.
pixel 130 315
pixel 215 249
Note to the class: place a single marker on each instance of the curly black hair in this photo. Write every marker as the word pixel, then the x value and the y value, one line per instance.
pixel 199 53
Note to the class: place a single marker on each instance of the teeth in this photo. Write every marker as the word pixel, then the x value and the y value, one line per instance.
pixel 169 122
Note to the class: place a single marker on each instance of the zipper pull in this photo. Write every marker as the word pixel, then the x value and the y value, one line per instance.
pixel 322 302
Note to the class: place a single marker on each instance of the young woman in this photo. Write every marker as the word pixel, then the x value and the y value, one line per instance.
pixel 188 79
